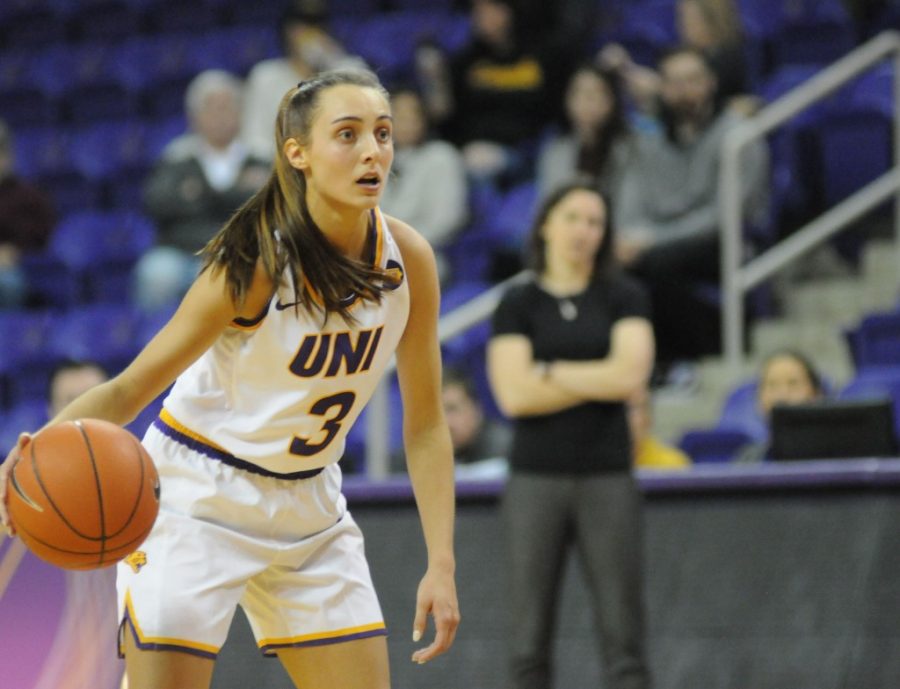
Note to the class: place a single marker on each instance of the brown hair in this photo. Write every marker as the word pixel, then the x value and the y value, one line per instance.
pixel 316 267
pixel 604 261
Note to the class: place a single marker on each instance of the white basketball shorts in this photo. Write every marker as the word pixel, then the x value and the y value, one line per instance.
pixel 286 550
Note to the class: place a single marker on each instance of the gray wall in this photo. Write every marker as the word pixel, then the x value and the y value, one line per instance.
pixel 744 591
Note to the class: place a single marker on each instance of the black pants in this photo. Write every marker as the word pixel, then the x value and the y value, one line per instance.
pixel 682 277
pixel 600 516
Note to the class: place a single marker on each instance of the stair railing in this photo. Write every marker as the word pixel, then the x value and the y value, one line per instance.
pixel 739 278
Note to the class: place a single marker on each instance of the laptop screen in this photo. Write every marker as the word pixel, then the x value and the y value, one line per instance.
pixel 834 429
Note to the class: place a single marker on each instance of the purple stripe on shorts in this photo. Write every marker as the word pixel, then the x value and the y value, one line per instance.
pixel 230 460
pixel 151 646
pixel 270 649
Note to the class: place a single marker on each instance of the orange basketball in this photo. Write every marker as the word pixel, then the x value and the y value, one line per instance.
pixel 84 494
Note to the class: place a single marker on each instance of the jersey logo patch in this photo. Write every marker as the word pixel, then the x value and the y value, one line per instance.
pixel 394 272
pixel 136 560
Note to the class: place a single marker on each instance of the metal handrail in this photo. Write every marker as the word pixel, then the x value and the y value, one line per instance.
pixel 737 279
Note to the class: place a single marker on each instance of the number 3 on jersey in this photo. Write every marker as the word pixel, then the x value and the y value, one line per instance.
pixel 344 402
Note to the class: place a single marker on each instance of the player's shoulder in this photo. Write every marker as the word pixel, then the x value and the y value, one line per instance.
pixel 413 246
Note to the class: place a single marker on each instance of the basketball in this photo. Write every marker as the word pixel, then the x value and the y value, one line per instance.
pixel 84 494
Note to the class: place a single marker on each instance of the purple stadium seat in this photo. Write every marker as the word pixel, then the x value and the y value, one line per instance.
pixel 739 410
pixel 877 341
pixel 812 42
pixel 170 16
pixel 714 445
pixel 50 282
pixel 24 355
pixel 105 20
pixel 101 332
pixel 24 26
pixel 108 149
pixel 42 151
pixel 854 146
pixel 26 416
pixel 102 248
pixel 27 106
pixel 512 219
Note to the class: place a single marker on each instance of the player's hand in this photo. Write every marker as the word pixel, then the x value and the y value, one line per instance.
pixel 436 596
pixel 5 468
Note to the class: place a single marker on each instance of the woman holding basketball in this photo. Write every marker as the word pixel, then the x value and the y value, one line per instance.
pixel 305 295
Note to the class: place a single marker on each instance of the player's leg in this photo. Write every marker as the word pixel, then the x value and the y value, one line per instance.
pixel 359 664
pixel 317 609
pixel 178 593
pixel 153 669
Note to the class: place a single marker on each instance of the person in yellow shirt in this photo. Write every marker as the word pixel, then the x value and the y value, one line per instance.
pixel 649 451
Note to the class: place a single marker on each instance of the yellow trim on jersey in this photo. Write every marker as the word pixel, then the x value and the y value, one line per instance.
pixel 172 422
pixel 379 239
pixel 303 638
pixel 169 641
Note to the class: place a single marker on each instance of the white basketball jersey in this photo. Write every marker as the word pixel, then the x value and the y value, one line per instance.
pixel 281 391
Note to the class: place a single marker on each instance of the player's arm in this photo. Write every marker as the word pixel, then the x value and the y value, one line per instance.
pixel 206 310
pixel 427 442
pixel 617 376
pixel 520 384
pixel 204 313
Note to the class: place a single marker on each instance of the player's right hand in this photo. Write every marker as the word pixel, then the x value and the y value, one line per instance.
pixel 5 468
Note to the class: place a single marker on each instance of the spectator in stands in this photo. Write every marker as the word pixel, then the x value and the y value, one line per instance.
pixel 200 180
pixel 501 92
pixel 786 377
pixel 27 218
pixel 480 443
pixel 569 347
pixel 713 27
pixel 668 211
pixel 649 451
pixel 428 186
pixel 69 379
pixel 308 49
pixel 598 144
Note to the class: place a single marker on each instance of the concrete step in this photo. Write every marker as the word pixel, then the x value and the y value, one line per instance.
pixel 881 260
pixel 816 311
pixel 822 342
pixel 838 301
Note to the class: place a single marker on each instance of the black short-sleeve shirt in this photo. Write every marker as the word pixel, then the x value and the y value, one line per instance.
pixel 591 437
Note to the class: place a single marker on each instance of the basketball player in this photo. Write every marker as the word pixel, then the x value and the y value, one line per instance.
pixel 305 295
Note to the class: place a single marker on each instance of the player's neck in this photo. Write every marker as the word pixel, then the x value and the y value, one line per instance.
pixel 344 228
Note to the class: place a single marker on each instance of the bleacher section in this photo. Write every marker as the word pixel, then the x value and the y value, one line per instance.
pixel 93 90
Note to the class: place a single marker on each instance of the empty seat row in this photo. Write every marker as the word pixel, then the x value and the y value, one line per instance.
pixel 97 79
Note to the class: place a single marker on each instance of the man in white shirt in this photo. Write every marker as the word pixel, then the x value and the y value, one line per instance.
pixel 200 180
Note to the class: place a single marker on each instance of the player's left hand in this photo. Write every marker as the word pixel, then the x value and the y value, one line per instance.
pixel 5 468
pixel 436 596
